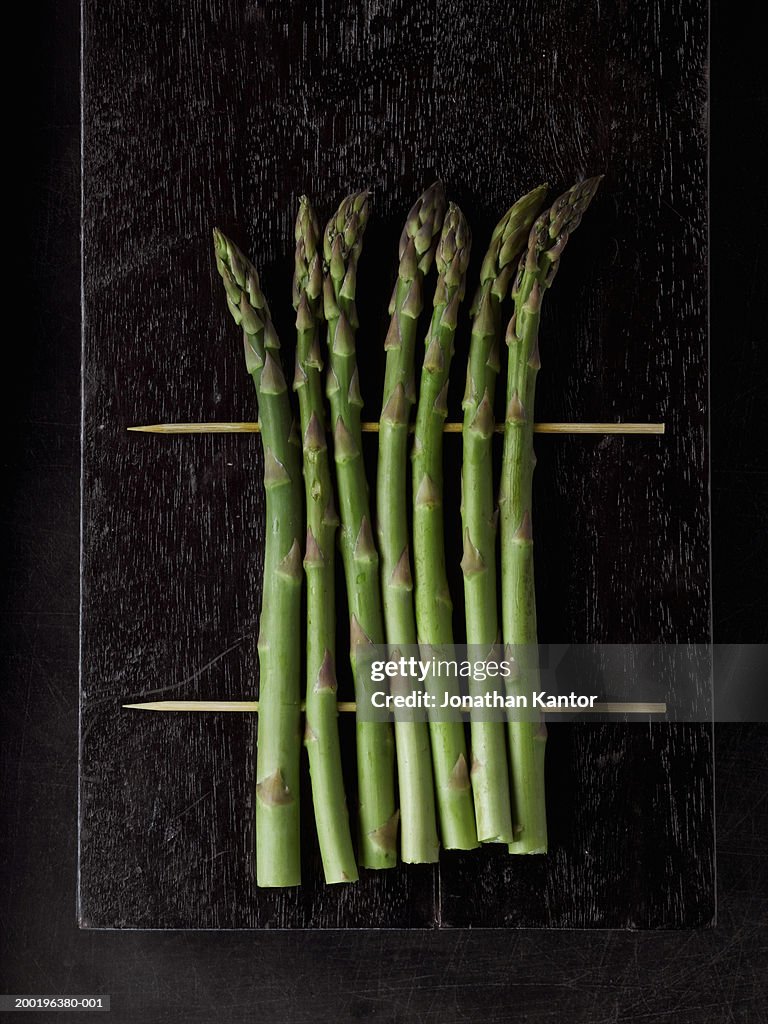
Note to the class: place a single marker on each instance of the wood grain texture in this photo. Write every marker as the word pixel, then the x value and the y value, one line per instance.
pixel 224 112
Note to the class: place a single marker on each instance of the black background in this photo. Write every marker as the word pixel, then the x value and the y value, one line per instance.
pixel 530 976
pixel 226 110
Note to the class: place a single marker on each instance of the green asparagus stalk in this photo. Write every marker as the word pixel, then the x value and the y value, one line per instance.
pixel 342 243
pixel 490 773
pixel 418 241
pixel 527 739
pixel 433 600
pixel 278 860
pixel 321 731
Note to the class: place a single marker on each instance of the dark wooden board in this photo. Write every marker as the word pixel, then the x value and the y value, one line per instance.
pixel 224 112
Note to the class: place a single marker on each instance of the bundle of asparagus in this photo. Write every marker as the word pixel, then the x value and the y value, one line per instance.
pixel 502 798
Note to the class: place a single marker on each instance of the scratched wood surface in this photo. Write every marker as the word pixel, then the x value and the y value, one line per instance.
pixel 223 112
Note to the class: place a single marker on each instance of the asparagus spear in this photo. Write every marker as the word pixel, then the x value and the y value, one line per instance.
pixel 490 776
pixel 279 747
pixel 321 731
pixel 418 241
pixel 342 243
pixel 527 739
pixel 433 601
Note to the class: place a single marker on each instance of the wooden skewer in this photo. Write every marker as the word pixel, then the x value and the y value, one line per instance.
pixel 373 428
pixel 216 705
pixel 609 708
